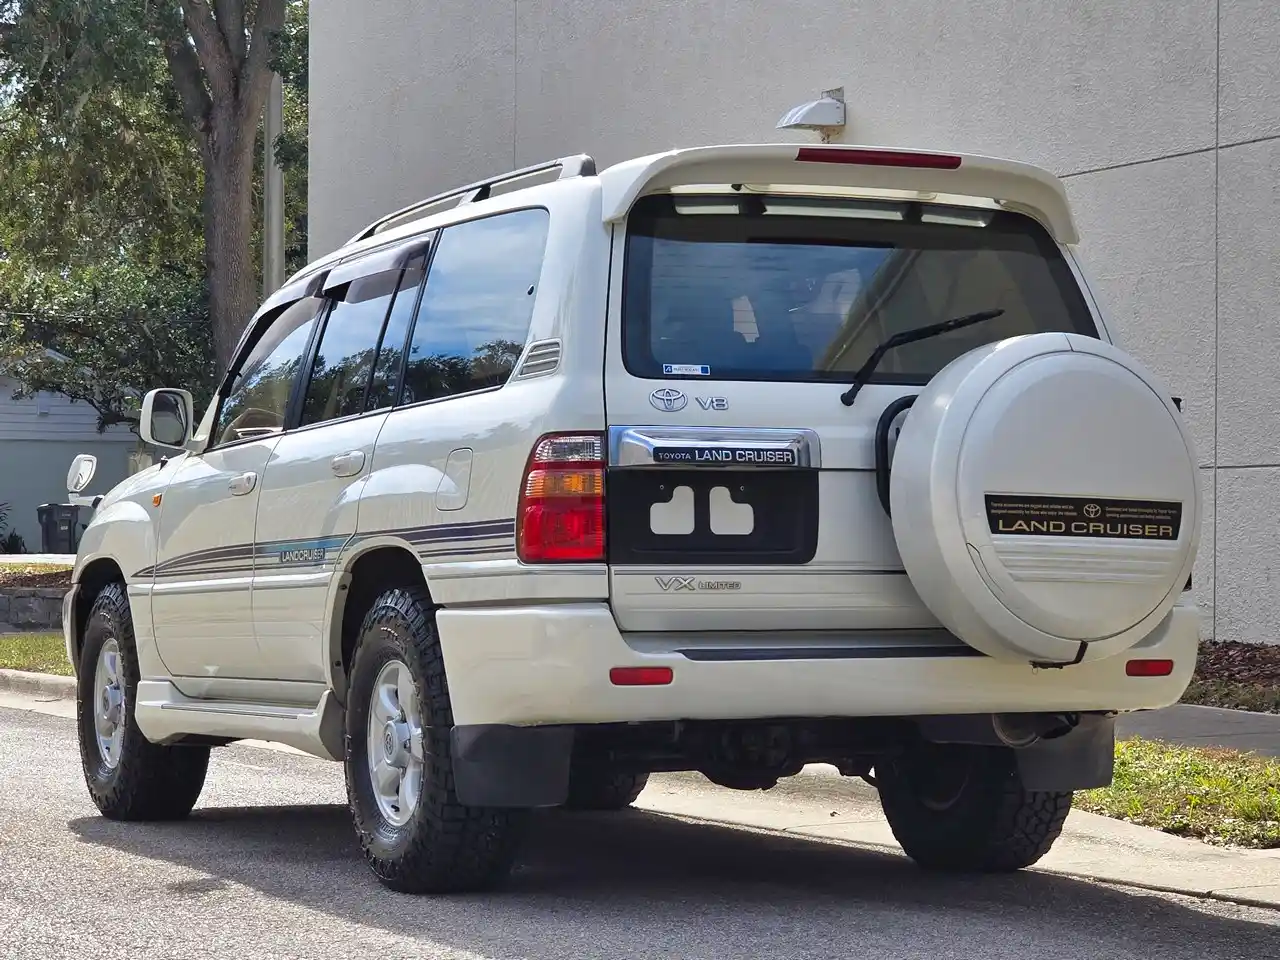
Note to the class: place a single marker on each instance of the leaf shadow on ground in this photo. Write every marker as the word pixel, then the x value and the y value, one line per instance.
pixel 638 884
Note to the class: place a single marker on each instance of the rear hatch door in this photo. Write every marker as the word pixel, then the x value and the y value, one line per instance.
pixel 742 492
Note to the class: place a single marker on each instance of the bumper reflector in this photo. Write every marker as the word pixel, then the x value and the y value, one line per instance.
pixel 1148 668
pixel 641 676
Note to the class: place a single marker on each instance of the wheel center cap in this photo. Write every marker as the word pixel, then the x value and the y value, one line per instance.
pixel 393 740
pixel 111 703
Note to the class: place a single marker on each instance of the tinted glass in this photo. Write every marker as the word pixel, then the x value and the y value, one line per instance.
pixel 348 347
pixel 788 289
pixel 259 396
pixel 386 369
pixel 476 306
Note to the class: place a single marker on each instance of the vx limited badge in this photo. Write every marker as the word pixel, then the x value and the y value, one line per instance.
pixel 673 584
pixel 668 399
pixel 676 583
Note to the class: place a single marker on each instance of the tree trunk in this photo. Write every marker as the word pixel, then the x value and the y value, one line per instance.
pixel 223 83
pixel 228 225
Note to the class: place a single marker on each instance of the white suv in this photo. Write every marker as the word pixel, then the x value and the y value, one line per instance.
pixel 566 477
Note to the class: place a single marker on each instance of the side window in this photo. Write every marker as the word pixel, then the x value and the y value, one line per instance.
pixel 386 369
pixel 477 305
pixel 348 349
pixel 258 399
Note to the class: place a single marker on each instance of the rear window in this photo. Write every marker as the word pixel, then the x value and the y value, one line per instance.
pixel 790 288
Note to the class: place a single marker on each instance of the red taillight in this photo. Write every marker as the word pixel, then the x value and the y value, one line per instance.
pixel 879 158
pixel 1148 668
pixel 641 676
pixel 561 514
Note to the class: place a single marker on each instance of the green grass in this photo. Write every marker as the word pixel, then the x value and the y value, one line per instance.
pixel 1219 796
pixel 35 652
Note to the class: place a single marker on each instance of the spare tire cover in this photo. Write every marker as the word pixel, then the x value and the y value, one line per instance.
pixel 1046 499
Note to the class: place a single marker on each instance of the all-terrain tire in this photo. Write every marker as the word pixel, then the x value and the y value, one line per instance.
pixel 445 846
pixel 963 808
pixel 597 788
pixel 149 781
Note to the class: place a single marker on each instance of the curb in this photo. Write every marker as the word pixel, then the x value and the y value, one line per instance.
pixel 37 684
pixel 1219 896
pixel 1194 894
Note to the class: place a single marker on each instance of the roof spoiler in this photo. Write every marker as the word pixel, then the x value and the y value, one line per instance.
pixel 1015 186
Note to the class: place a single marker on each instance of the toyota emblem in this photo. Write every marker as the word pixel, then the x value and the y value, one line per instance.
pixel 668 400
pixel 1092 511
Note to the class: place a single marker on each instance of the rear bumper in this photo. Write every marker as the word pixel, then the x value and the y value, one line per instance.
pixel 549 664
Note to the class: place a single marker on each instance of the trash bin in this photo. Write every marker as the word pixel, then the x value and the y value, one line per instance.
pixel 59 531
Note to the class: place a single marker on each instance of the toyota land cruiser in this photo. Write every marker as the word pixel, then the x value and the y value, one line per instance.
pixel 730 459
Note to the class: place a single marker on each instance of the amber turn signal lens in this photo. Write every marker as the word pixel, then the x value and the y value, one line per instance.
pixel 543 483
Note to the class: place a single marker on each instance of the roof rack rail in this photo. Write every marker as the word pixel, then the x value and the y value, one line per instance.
pixel 578 165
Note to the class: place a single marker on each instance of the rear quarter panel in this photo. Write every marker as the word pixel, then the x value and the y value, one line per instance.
pixel 466 541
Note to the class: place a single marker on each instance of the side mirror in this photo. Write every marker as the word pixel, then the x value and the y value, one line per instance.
pixel 81 473
pixel 166 418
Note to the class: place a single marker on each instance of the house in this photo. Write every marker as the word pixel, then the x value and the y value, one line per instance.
pixel 39 436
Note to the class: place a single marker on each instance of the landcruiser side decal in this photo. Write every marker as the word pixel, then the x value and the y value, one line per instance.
pixel 438 543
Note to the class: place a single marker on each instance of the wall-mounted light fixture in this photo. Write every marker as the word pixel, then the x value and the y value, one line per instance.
pixel 826 115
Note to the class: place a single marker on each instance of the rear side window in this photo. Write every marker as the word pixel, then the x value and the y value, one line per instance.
pixel 476 306
pixel 386 370
pixel 774 288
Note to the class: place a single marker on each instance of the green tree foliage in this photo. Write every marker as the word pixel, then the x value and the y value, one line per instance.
pixel 124 177
pixel 77 71
pixel 103 287
pixel 105 334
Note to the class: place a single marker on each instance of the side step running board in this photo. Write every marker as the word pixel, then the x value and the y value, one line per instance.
pixel 165 715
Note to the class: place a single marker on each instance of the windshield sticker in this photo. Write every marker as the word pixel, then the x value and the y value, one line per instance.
pixel 686 370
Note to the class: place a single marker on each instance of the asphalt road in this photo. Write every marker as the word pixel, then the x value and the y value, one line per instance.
pixel 267 868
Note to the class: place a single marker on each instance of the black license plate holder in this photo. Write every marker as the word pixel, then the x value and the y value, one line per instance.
pixel 784 504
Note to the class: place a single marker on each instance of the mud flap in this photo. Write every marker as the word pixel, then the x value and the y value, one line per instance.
pixel 1079 760
pixel 495 765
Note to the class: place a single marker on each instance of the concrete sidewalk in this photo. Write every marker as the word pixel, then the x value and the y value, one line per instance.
pixel 37 559
pixel 1197 726
pixel 822 805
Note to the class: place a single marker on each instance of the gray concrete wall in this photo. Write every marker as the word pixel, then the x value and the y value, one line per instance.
pixel 1162 115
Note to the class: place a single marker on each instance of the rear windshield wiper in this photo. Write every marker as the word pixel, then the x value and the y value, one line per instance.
pixel 909 336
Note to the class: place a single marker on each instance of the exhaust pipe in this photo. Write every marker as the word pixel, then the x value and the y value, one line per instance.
pixel 1015 730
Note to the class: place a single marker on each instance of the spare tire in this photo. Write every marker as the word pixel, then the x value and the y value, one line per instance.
pixel 1046 499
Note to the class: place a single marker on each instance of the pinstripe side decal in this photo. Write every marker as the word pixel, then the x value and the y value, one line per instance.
pixel 437 543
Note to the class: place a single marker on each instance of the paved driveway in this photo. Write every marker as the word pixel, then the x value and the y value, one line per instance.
pixel 267 867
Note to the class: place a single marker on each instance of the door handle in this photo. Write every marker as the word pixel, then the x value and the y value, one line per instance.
pixel 348 464
pixel 243 484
